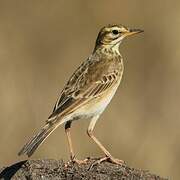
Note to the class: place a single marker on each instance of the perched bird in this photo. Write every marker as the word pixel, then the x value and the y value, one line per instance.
pixel 88 91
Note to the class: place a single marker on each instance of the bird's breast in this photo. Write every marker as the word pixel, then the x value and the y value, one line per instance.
pixel 98 104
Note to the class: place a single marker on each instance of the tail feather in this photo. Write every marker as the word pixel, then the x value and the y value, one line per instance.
pixel 38 139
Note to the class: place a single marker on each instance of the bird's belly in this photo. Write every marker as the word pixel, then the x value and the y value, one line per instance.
pixel 96 106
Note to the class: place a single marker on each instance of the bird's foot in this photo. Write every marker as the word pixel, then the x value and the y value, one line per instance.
pixel 109 159
pixel 115 161
pixel 77 161
pixel 84 161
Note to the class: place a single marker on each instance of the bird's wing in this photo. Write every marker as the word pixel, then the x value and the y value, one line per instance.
pixel 89 81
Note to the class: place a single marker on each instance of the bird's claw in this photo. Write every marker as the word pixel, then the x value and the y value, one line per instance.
pixel 107 158
pixel 75 160
pixel 80 161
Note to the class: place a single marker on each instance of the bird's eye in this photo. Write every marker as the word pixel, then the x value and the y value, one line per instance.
pixel 115 32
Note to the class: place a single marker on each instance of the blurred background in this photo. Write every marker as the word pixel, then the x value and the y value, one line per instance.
pixel 43 42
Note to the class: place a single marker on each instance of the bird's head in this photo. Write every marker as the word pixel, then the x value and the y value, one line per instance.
pixel 112 35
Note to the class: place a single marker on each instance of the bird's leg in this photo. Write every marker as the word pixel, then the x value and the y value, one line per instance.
pixel 67 130
pixel 106 152
pixel 72 154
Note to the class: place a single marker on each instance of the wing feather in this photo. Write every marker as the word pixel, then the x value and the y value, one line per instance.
pixel 85 85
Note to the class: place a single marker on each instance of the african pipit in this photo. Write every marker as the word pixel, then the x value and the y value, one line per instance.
pixel 88 91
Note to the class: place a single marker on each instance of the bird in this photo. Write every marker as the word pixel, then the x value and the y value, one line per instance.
pixel 88 91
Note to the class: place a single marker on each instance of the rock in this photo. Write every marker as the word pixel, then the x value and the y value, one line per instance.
pixel 58 170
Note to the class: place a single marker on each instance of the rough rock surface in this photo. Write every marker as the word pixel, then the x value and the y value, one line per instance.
pixel 57 169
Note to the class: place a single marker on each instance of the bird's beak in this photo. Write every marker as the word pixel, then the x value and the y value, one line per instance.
pixel 133 31
pixel 130 32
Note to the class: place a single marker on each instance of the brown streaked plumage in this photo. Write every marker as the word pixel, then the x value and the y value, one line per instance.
pixel 88 91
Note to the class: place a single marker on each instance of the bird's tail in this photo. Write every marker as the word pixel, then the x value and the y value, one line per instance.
pixel 38 139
